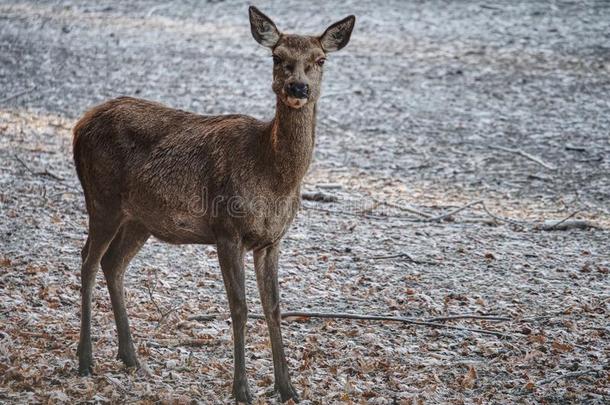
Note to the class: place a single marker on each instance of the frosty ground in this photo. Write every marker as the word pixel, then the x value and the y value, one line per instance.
pixel 431 106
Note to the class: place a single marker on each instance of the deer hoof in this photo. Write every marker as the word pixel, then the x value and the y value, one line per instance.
pixel 85 364
pixel 242 394
pixel 85 371
pixel 130 360
pixel 287 392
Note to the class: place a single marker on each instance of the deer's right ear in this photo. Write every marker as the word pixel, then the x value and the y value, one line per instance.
pixel 263 29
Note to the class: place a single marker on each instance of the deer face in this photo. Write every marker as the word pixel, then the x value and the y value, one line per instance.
pixel 297 59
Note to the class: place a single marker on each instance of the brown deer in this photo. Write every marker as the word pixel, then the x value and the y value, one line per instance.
pixel 230 180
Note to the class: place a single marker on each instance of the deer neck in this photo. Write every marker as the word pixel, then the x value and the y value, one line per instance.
pixel 292 138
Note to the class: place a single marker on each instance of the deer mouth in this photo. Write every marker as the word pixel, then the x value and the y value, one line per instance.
pixel 295 103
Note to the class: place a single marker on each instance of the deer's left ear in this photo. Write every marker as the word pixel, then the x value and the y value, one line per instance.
pixel 263 29
pixel 337 35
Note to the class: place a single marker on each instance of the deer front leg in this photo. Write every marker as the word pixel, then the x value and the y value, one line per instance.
pixel 266 264
pixel 231 258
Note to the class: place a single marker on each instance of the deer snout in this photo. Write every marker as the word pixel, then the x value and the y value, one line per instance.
pixel 297 90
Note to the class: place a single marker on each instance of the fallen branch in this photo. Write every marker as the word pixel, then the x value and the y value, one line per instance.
pixel 404 255
pixel 19 94
pixel 163 314
pixel 455 211
pixel 556 224
pixel 573 374
pixel 201 318
pixel 299 315
pixel 190 342
pixel 410 321
pixel 562 225
pixel 566 224
pixel 353 214
pixel 525 155
pixel 45 172
pixel 576 148
pixel 401 207
pixel 501 219
pixel 119 386
pixel 156 8
pixel 457 317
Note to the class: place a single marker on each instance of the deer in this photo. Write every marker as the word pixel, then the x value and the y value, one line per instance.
pixel 231 181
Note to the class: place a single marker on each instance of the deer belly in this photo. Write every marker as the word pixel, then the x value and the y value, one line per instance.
pixel 176 227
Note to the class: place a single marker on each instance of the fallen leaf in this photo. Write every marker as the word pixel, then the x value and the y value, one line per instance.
pixel 469 378
pixel 559 347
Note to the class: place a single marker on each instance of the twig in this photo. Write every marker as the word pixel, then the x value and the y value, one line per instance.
pixel 576 148
pixel 487 211
pixel 489 7
pixel 479 220
pixel 455 211
pixel 563 224
pixel 401 207
pixel 150 290
pixel 116 383
pixel 354 214
pixel 201 318
pixel 525 155
pixel 46 172
pixel 573 374
pixel 456 317
pixel 155 8
pixel 21 93
pixel 501 219
pixel 405 255
pixel 190 342
pixel 566 223
pixel 562 221
pixel 342 315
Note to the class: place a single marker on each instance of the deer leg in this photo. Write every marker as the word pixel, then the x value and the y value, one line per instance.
pixel 231 258
pixel 125 245
pixel 266 264
pixel 100 236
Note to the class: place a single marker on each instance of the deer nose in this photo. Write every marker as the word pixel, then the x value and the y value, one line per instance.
pixel 297 90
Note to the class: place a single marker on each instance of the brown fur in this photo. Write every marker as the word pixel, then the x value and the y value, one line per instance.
pixel 230 180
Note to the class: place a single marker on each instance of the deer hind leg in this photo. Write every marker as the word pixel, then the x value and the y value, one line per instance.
pixel 266 265
pixel 101 233
pixel 231 258
pixel 125 245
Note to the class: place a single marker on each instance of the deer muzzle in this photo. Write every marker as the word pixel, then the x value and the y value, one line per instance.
pixel 297 90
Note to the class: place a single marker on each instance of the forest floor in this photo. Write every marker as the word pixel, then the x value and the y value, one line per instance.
pixel 432 105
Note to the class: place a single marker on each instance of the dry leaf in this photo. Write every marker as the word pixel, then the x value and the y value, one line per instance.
pixel 559 347
pixel 469 378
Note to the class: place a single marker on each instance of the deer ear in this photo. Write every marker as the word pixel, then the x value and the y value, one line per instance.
pixel 263 29
pixel 337 35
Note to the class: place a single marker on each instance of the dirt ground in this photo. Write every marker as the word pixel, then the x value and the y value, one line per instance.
pixel 432 105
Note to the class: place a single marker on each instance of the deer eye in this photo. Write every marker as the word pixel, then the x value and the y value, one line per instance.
pixel 321 61
pixel 277 60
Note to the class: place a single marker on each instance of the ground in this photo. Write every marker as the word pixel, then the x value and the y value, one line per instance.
pixel 433 105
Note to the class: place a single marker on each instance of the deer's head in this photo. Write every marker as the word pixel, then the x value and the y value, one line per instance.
pixel 298 59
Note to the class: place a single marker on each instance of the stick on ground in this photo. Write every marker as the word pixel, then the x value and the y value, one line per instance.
pixel 45 172
pixel 19 94
pixel 573 374
pixel 525 155
pixel 455 211
pixel 404 255
pixel 402 207
pixel 341 315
